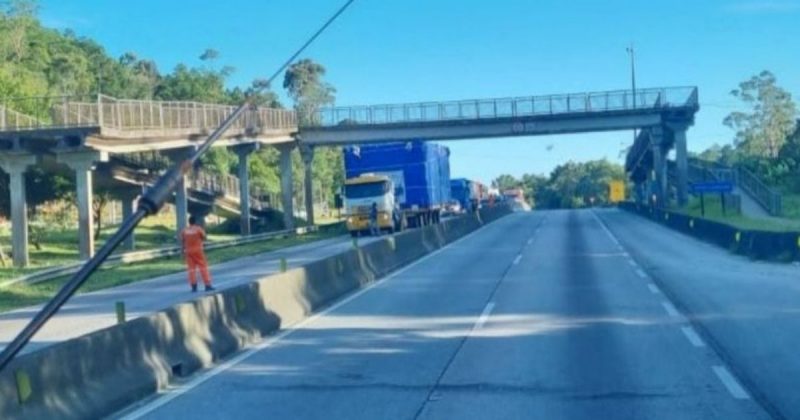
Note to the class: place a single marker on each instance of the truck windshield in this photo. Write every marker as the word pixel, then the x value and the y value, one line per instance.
pixel 373 189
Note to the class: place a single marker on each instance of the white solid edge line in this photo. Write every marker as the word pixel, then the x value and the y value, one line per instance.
pixel 670 308
pixel 692 336
pixel 653 288
pixel 484 315
pixel 730 383
pixel 605 228
pixel 171 393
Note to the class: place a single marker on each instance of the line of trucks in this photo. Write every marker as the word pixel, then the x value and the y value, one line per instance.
pixel 410 185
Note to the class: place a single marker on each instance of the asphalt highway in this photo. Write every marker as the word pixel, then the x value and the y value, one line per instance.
pixel 555 315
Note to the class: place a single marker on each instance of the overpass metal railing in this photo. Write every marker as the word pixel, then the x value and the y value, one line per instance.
pixel 771 200
pixel 131 115
pixel 620 100
pixel 13 120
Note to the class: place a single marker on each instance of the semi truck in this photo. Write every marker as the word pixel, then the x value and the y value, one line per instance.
pixel 409 182
pixel 468 193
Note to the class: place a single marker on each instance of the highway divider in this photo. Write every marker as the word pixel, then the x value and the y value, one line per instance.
pixel 100 373
pixel 756 244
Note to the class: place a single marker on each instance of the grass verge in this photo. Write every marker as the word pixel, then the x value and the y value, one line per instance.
pixel 714 212
pixel 19 295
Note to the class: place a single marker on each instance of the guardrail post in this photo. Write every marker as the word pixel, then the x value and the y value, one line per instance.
pixel 284 265
pixel 120 309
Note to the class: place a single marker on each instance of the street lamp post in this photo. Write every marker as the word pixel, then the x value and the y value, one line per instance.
pixel 632 54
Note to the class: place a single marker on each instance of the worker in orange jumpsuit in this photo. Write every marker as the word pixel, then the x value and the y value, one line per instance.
pixel 192 238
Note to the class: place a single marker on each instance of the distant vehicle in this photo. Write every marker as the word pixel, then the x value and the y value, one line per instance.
pixel 453 207
pixel 516 194
pixel 410 182
pixel 463 191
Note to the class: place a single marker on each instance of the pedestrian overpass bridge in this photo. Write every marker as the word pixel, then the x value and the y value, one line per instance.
pixel 80 132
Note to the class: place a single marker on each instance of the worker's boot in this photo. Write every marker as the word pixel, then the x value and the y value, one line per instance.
pixel 194 288
pixel 210 288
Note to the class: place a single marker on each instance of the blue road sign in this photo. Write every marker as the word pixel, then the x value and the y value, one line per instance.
pixel 711 187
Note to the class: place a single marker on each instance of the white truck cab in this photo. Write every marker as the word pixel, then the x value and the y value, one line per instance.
pixel 359 195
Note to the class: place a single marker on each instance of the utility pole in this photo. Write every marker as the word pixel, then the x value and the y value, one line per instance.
pixel 632 54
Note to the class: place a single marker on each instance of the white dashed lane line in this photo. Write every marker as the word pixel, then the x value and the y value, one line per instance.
pixel 653 288
pixel 692 336
pixel 730 383
pixel 484 315
pixel 670 308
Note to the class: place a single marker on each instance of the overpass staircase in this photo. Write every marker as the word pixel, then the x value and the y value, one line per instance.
pixel 207 192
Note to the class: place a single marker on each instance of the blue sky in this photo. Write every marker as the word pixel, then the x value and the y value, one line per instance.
pixel 384 51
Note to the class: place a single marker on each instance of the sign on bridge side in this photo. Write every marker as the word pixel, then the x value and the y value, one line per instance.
pixel 711 187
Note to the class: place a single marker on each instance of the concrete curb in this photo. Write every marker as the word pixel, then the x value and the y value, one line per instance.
pixel 97 374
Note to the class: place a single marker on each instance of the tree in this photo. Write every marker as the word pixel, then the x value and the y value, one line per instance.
pixel 209 55
pixel 505 181
pixel 762 131
pixel 303 81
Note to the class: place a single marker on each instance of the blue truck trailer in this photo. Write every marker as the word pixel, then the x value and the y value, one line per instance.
pixel 409 182
pixel 461 191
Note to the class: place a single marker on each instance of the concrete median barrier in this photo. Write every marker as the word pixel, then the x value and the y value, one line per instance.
pixel 756 244
pixel 97 374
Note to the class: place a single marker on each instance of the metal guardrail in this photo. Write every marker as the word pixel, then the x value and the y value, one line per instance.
pixel 13 120
pixel 620 100
pixel 146 255
pixel 139 115
pixel 768 198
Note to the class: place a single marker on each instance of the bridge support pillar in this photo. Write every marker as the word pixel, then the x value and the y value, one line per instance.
pixel 243 152
pixel 128 200
pixel 287 183
pixel 307 153
pixel 16 166
pixel 181 207
pixel 83 165
pixel 681 163
pixel 659 192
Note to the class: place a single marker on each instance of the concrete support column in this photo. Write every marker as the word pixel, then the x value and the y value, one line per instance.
pixel 307 153
pixel 682 164
pixel 286 185
pixel 181 194
pixel 244 152
pixel 83 165
pixel 659 174
pixel 129 200
pixel 181 207
pixel 16 166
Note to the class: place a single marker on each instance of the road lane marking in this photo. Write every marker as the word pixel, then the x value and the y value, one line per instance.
pixel 516 260
pixel 641 273
pixel 166 396
pixel 692 336
pixel 670 308
pixel 605 228
pixel 731 383
pixel 632 262
pixel 530 241
pixel 484 315
pixel 653 288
